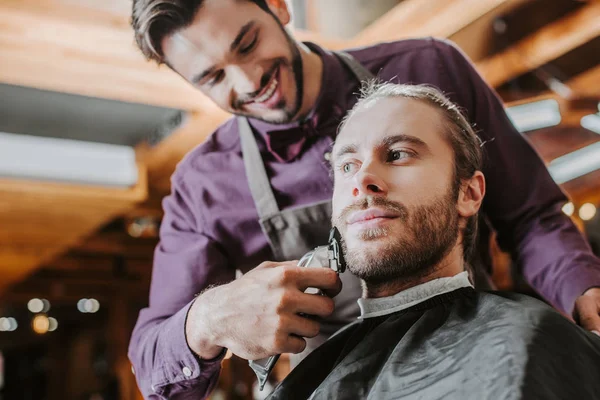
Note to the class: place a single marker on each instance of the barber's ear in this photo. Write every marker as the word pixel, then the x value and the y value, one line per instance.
pixel 471 195
pixel 280 9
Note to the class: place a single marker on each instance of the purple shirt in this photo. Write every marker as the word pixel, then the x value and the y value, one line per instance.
pixel 210 227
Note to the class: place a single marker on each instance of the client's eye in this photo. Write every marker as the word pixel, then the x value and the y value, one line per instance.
pixel 396 155
pixel 347 167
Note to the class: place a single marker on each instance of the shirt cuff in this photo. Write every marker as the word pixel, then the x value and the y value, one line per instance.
pixel 577 283
pixel 179 363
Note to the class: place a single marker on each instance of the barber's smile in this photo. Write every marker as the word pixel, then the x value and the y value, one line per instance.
pixel 371 218
pixel 270 95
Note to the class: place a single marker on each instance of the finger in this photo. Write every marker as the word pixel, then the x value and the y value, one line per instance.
pixel 301 326
pixel 587 312
pixel 320 278
pixel 275 264
pixel 294 344
pixel 314 304
pixel 336 290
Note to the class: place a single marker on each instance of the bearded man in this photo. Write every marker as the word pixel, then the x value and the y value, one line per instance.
pixel 406 198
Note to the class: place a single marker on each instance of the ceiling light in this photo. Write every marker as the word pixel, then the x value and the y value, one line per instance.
pixel 4 324
pixel 568 209
pixel 591 122
pixel 587 211
pixel 40 324
pixel 35 305
pixel 52 324
pixel 88 305
pixel 575 164
pixel 535 115
pixel 65 160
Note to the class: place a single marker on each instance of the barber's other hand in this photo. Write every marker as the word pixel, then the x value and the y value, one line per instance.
pixel 587 310
pixel 256 316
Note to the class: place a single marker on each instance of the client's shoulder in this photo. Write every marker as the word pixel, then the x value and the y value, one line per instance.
pixel 525 318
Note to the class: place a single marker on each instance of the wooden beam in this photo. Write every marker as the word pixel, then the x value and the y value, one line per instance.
pixel 162 159
pixel 585 89
pixel 40 220
pixel 417 18
pixel 547 44
pixel 66 46
pixel 62 46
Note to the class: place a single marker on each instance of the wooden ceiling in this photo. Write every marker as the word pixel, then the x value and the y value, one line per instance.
pixel 67 242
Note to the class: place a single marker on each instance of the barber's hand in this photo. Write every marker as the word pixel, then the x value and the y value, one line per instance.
pixel 257 315
pixel 587 310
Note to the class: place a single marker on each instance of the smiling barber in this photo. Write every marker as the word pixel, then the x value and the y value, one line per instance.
pixel 260 187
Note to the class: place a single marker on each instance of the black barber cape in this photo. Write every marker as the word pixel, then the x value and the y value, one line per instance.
pixel 462 344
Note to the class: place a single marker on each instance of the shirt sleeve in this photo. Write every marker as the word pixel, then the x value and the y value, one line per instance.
pixel 522 202
pixel 186 261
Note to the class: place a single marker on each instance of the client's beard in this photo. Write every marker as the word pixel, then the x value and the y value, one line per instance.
pixel 429 234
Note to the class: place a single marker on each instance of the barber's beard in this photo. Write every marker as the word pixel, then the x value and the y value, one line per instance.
pixel 429 233
pixel 290 111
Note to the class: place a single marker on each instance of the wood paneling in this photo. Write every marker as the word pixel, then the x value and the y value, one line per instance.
pixel 40 220
pixel 548 43
pixel 415 18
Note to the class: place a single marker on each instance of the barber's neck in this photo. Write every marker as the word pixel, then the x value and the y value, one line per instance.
pixel 451 265
pixel 312 72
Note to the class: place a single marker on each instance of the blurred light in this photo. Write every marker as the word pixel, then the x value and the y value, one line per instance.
pixel 66 160
pixel 591 122
pixel 575 164
pixel 13 324
pixel 40 324
pixel 568 209
pixel 135 230
pixel 8 324
pixel 535 115
pixel 35 305
pixel 587 211
pixel 46 306
pixel 88 305
pixel 52 324
pixel 81 305
pixel 4 324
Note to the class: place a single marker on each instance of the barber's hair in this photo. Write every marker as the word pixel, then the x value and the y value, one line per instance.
pixel 459 133
pixel 153 20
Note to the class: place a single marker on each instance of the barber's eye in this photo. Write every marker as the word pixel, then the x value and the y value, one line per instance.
pixel 217 77
pixel 396 155
pixel 248 48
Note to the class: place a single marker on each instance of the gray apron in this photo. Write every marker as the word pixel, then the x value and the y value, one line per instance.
pixel 292 233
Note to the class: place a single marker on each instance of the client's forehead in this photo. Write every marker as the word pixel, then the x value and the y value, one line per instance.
pixel 376 119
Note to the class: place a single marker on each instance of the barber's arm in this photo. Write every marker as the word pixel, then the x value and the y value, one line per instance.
pixel 524 204
pixel 185 263
pixel 179 340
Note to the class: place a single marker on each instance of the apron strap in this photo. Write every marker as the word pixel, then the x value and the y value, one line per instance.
pixel 357 69
pixel 258 180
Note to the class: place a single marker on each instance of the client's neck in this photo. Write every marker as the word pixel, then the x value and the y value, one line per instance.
pixel 451 265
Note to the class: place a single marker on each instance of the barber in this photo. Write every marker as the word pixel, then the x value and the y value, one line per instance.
pixel 260 187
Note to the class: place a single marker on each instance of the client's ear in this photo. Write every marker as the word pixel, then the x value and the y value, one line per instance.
pixel 471 195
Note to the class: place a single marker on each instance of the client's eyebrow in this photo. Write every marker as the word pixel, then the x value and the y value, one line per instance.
pixel 388 141
pixel 346 149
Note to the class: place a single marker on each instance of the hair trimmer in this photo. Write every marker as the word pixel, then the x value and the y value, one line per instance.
pixel 335 261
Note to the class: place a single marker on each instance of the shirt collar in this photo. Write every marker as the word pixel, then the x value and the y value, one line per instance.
pixel 286 140
pixel 370 308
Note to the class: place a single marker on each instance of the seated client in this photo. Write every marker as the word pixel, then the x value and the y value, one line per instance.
pixel 408 188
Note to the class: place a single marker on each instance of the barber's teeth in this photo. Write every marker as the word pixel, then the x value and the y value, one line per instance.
pixel 268 93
